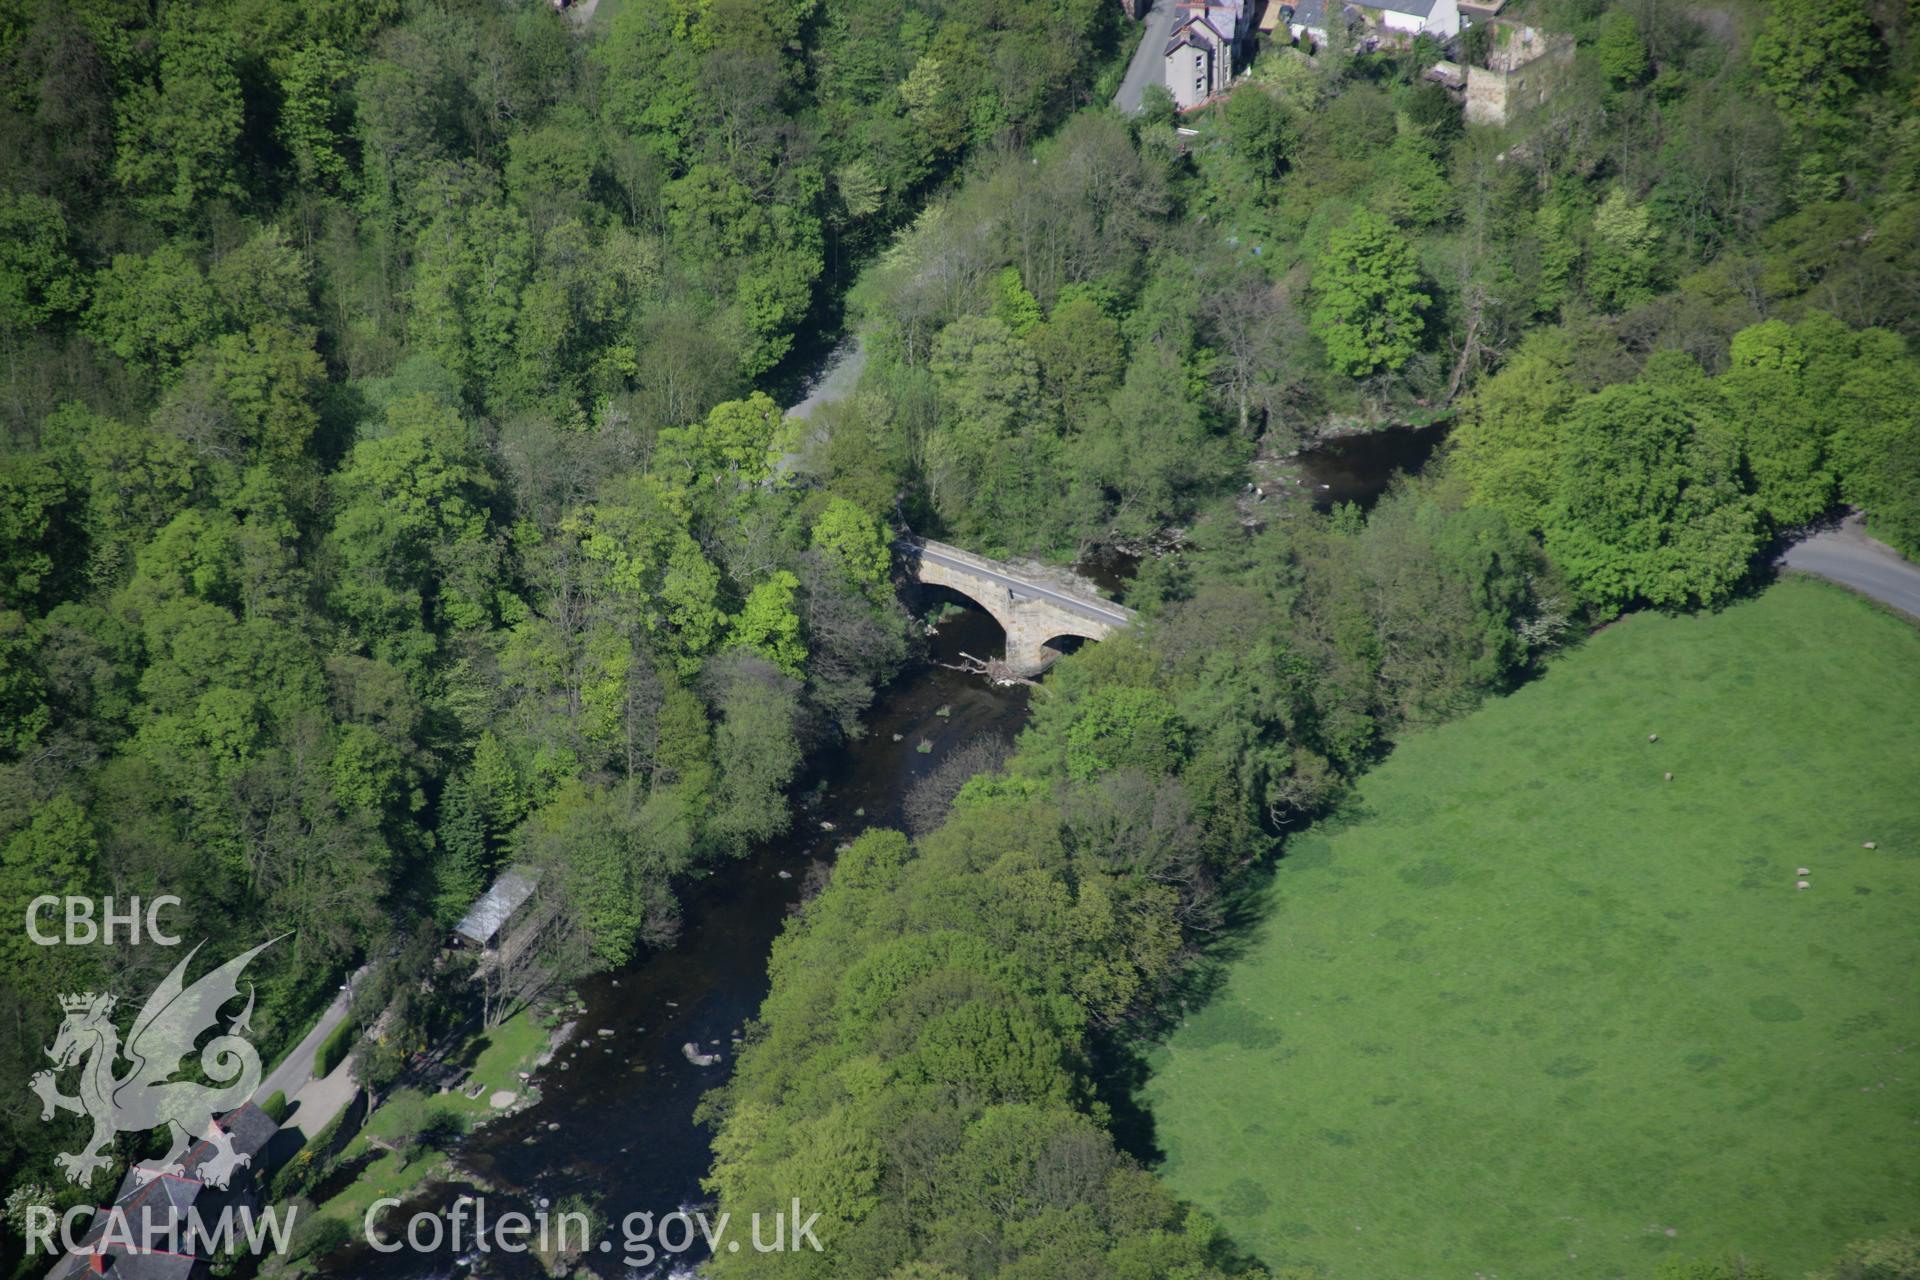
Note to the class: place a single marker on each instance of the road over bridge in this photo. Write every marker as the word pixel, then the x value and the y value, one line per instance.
pixel 1031 607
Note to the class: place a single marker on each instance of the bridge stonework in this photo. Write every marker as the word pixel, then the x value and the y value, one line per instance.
pixel 1030 611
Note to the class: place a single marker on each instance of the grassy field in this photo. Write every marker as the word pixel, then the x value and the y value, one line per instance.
pixel 1535 1011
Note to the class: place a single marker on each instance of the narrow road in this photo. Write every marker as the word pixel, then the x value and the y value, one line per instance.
pixel 315 1102
pixel 836 379
pixel 1149 59
pixel 1846 555
pixel 1020 587
pixel 297 1067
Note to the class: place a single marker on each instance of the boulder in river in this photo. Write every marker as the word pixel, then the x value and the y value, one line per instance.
pixel 692 1049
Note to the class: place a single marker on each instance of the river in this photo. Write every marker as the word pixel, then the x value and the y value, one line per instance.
pixel 623 1104
pixel 1358 468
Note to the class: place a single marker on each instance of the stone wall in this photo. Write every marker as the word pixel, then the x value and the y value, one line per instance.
pixel 1523 69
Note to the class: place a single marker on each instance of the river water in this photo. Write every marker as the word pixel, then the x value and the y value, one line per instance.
pixel 623 1104
pixel 1358 468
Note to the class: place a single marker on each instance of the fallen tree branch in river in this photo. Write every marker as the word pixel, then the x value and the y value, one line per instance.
pixel 993 669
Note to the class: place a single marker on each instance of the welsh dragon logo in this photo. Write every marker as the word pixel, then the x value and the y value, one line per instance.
pixel 145 1096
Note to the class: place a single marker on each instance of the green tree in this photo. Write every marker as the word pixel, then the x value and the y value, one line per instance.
pixel 1124 726
pixel 733 441
pixel 460 866
pixel 1811 55
pixel 771 298
pixel 1622 53
pixel 987 465
pixel 411 535
pixel 1781 431
pixel 1412 189
pixel 1648 505
pixel 1154 456
pixel 1259 134
pixel 152 309
pixel 1620 261
pixel 638 535
pixel 1081 354
pixel 137 479
pixel 1894 1257
pixel 1368 298
pixel 36 529
pixel 495 785
pixel 55 853
pixel 1013 305
pixel 472 262
pixel 612 855
pixel 855 542
pixel 248 398
pixel 24 714
pixel 177 136
pixel 263 282
pixel 1876 439
pixel 38 276
pixel 767 623
pixel 754 748
pixel 1507 443
pixel 316 115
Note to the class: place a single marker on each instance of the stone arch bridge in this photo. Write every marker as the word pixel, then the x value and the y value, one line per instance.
pixel 1032 607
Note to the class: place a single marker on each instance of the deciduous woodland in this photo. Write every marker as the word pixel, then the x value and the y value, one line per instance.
pixel 395 487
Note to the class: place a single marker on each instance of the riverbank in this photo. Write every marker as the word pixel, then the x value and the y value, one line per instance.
pixel 398 1150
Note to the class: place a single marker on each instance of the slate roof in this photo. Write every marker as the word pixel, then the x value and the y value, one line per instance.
pixel 1311 14
pixel 157 1208
pixel 491 911
pixel 1184 34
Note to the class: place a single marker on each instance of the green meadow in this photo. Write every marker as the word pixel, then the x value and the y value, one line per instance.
pixel 1533 1010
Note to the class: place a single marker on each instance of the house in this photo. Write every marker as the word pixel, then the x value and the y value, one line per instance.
pixel 1441 19
pixel 156 1222
pixel 489 914
pixel 1201 51
pixel 1523 66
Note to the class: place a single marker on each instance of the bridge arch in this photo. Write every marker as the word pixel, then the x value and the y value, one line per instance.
pixel 1067 642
